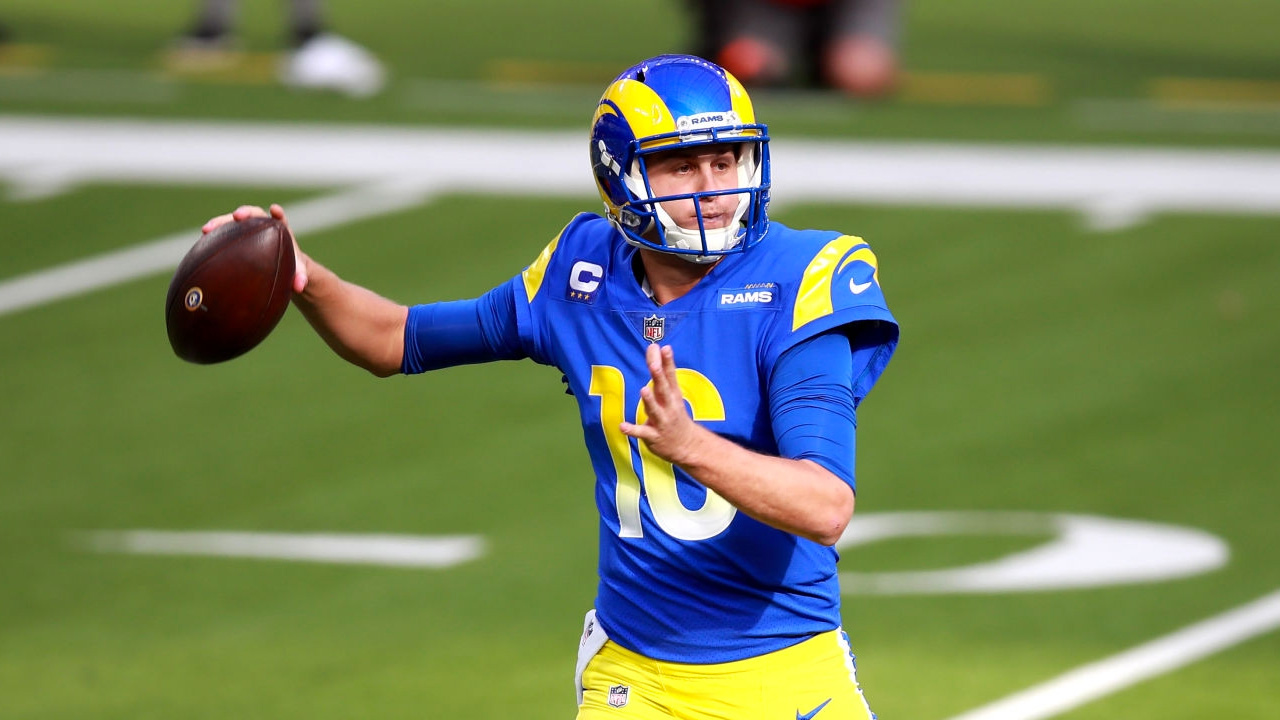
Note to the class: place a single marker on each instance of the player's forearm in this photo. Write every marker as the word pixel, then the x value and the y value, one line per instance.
pixel 361 326
pixel 798 496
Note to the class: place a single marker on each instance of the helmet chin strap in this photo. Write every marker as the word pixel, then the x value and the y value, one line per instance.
pixel 710 239
pixel 701 241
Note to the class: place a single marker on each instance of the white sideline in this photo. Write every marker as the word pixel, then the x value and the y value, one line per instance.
pixel 396 168
pixel 438 551
pixel 1157 657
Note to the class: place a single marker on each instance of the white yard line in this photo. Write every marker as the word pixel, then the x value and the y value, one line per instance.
pixel 163 254
pixel 100 271
pixel 440 551
pixel 395 168
pixel 1157 657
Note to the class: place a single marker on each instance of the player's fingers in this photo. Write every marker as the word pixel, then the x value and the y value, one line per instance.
pixel 248 211
pixel 299 267
pixel 277 212
pixel 669 367
pixel 665 377
pixel 655 414
pixel 215 223
pixel 640 432
pixel 653 359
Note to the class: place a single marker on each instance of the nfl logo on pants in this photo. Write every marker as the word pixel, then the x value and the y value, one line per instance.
pixel 618 695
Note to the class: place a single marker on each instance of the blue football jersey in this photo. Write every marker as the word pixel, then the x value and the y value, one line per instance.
pixel 684 576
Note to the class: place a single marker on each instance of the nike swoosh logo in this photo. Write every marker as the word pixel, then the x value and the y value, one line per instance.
pixel 809 715
pixel 857 288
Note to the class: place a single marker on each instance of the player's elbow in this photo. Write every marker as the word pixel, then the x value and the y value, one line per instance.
pixel 830 505
pixel 834 518
pixel 380 364
pixel 383 371
pixel 385 358
pixel 831 534
pixel 385 365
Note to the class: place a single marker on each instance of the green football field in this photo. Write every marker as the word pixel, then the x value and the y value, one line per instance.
pixel 1053 378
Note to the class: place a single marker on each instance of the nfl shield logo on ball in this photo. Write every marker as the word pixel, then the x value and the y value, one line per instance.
pixel 618 695
pixel 195 296
pixel 654 328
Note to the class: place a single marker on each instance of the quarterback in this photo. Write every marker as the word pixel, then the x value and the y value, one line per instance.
pixel 717 360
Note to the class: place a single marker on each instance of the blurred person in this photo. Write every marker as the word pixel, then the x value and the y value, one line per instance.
pixel 848 45
pixel 319 59
pixel 717 359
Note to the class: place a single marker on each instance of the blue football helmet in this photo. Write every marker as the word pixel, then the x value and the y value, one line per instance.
pixel 668 102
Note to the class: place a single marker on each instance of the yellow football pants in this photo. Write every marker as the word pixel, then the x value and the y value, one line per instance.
pixel 813 680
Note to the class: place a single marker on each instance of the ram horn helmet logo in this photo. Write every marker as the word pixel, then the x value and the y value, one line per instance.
pixel 654 328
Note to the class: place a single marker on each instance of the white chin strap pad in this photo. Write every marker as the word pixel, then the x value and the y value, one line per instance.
pixel 709 240
pixel 712 239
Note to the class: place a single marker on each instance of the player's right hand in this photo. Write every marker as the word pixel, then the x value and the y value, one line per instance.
pixel 247 211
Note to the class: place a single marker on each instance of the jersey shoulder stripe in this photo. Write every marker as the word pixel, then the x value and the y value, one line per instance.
pixel 537 270
pixel 842 271
pixel 536 274
pixel 830 280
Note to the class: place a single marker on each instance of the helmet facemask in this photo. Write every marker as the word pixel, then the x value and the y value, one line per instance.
pixel 698 243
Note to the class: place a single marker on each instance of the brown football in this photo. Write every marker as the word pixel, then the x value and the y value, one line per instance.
pixel 230 290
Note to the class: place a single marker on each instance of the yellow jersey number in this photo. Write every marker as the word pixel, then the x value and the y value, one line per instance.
pixel 658 476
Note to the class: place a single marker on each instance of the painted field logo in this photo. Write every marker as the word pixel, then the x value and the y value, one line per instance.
pixel 749 296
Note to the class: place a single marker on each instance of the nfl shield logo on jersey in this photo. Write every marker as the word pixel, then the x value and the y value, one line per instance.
pixel 654 328
pixel 618 695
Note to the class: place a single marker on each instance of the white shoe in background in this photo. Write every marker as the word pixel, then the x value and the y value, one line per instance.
pixel 332 62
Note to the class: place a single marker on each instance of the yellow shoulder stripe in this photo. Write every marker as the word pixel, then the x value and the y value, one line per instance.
pixel 533 274
pixel 813 300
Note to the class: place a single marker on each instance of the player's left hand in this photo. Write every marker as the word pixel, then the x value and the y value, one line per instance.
pixel 669 431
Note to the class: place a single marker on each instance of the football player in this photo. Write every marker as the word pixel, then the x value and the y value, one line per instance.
pixel 717 360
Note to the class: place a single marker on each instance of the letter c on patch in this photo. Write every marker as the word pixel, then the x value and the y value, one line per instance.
pixel 585 276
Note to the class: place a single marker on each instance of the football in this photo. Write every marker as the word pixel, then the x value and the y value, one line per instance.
pixel 230 290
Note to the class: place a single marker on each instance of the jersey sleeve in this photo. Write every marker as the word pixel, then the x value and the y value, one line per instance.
pixel 811 404
pixel 460 332
pixel 503 324
pixel 839 288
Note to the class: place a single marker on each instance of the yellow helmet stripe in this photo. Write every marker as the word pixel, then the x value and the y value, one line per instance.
pixel 741 101
pixel 643 109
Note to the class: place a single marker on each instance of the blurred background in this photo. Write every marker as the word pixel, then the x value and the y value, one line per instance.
pixel 1076 208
